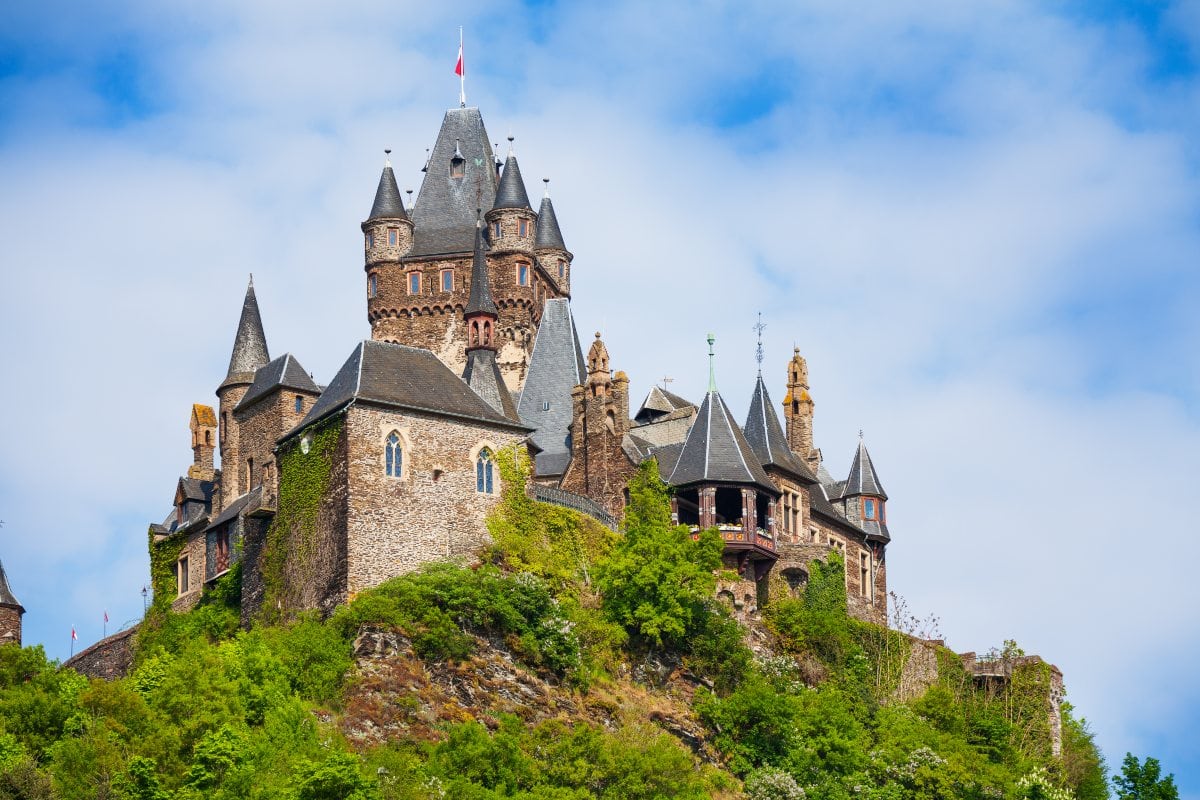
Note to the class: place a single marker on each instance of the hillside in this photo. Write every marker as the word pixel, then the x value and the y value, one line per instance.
pixel 571 662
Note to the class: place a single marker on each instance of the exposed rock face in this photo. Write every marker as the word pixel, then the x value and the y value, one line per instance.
pixel 394 694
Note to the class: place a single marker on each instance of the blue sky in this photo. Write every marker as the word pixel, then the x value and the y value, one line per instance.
pixel 979 222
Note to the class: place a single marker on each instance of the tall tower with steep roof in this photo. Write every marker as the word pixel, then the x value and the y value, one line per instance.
pixel 249 354
pixel 552 254
pixel 11 612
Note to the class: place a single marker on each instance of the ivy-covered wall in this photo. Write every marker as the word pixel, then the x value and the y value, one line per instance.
pixel 163 556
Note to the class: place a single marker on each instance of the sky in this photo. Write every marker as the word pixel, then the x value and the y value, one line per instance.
pixel 979 222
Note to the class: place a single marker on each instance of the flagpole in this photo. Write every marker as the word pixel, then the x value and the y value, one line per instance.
pixel 462 75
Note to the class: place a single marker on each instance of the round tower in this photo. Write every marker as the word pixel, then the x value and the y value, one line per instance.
pixel 552 254
pixel 387 238
pixel 249 354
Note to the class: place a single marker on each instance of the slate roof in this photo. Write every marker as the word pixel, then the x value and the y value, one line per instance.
pixel 556 367
pixel 765 435
pixel 196 490
pixel 284 372
pixel 716 451
pixel 548 233
pixel 233 510
pixel 658 403
pixel 511 191
pixel 666 457
pixel 403 377
pixel 480 300
pixel 7 598
pixel 250 343
pixel 388 204
pixel 444 214
pixel 863 479
pixel 482 374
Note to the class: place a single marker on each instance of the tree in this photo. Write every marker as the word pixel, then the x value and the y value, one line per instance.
pixel 658 580
pixel 1142 781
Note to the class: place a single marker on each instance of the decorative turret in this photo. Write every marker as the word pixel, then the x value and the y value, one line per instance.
pixel 798 411
pixel 10 613
pixel 387 236
pixel 482 373
pixel 600 466
pixel 249 354
pixel 511 221
pixel 863 497
pixel 203 426
pixel 599 378
pixel 548 245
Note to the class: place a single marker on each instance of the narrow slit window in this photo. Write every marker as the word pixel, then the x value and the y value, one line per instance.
pixel 299 404
pixel 447 280
pixel 372 285
pixel 393 237
pixel 484 472
pixel 523 274
pixel 394 456
pixel 523 228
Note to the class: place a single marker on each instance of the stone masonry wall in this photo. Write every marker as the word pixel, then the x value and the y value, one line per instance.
pixel 10 625
pixel 195 550
pixel 259 428
pixel 253 539
pixel 432 511
pixel 108 659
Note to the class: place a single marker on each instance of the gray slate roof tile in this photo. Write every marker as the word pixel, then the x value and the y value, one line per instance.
pixel 549 236
pixel 285 372
pixel 765 435
pixel 388 204
pixel 250 343
pixel 863 479
pixel 511 191
pixel 555 368
pixel 7 598
pixel 482 374
pixel 716 451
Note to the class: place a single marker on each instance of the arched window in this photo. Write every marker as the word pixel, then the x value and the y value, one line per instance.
pixel 395 455
pixel 484 471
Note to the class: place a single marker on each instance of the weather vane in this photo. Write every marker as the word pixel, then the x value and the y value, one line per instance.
pixel 759 326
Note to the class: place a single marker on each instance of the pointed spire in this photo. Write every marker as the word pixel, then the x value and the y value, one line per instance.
pixel 716 451
pixel 712 369
pixel 548 234
pixel 480 300
pixel 863 479
pixel 388 204
pixel 511 191
pixel 250 343
pixel 482 374
pixel 7 598
pixel 766 437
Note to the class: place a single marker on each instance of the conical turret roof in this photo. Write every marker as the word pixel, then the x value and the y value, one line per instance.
pixel 388 204
pixel 482 374
pixel 548 233
pixel 716 451
pixel 480 300
pixel 7 598
pixel 250 343
pixel 765 435
pixel 511 191
pixel 863 478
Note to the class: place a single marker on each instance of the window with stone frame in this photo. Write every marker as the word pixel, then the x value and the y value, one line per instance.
pixel 181 575
pixel 299 404
pixel 394 456
pixel 523 274
pixel 447 280
pixel 414 283
pixel 485 470
pixel 368 241
pixel 393 237
pixel 496 231
pixel 522 228
pixel 222 547
pixel 562 269
pixel 864 574
pixel 372 285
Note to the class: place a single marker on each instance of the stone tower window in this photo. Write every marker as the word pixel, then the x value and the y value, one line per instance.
pixel 484 471
pixel 372 285
pixel 368 241
pixel 447 280
pixel 299 404
pixel 864 574
pixel 208 438
pixel 495 230
pixel 394 456
pixel 393 237
pixel 562 269
pixel 523 228
pixel 414 283
pixel 523 274
pixel 181 575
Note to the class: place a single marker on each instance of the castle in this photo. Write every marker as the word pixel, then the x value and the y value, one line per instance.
pixel 324 491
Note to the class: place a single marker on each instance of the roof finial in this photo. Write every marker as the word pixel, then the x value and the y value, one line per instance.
pixel 411 204
pixel 546 181
pixel 251 280
pixel 387 157
pixel 759 326
pixel 860 434
pixel 510 142
pixel 478 217
pixel 712 371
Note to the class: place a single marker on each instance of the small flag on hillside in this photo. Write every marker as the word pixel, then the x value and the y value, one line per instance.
pixel 74 635
pixel 106 616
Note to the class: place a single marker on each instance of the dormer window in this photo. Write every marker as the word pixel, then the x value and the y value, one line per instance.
pixel 393 237
pixel 458 167
pixel 522 228
pixel 523 274
pixel 414 283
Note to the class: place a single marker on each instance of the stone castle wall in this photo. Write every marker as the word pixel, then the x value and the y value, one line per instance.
pixel 432 511
pixel 10 625
pixel 108 659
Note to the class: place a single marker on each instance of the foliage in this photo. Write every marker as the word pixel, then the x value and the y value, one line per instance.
pixel 303 482
pixel 1082 766
pixel 438 606
pixel 658 581
pixel 164 555
pixel 1144 781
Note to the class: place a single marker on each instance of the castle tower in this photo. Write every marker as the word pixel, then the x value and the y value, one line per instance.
pixel 863 498
pixel 387 238
pixel 249 354
pixel 482 373
pixel 515 277
pixel 11 612
pixel 204 441
pixel 798 413
pixel 552 254
pixel 599 467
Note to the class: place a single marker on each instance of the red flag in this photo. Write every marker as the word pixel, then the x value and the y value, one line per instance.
pixel 74 636
pixel 460 68
pixel 106 615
